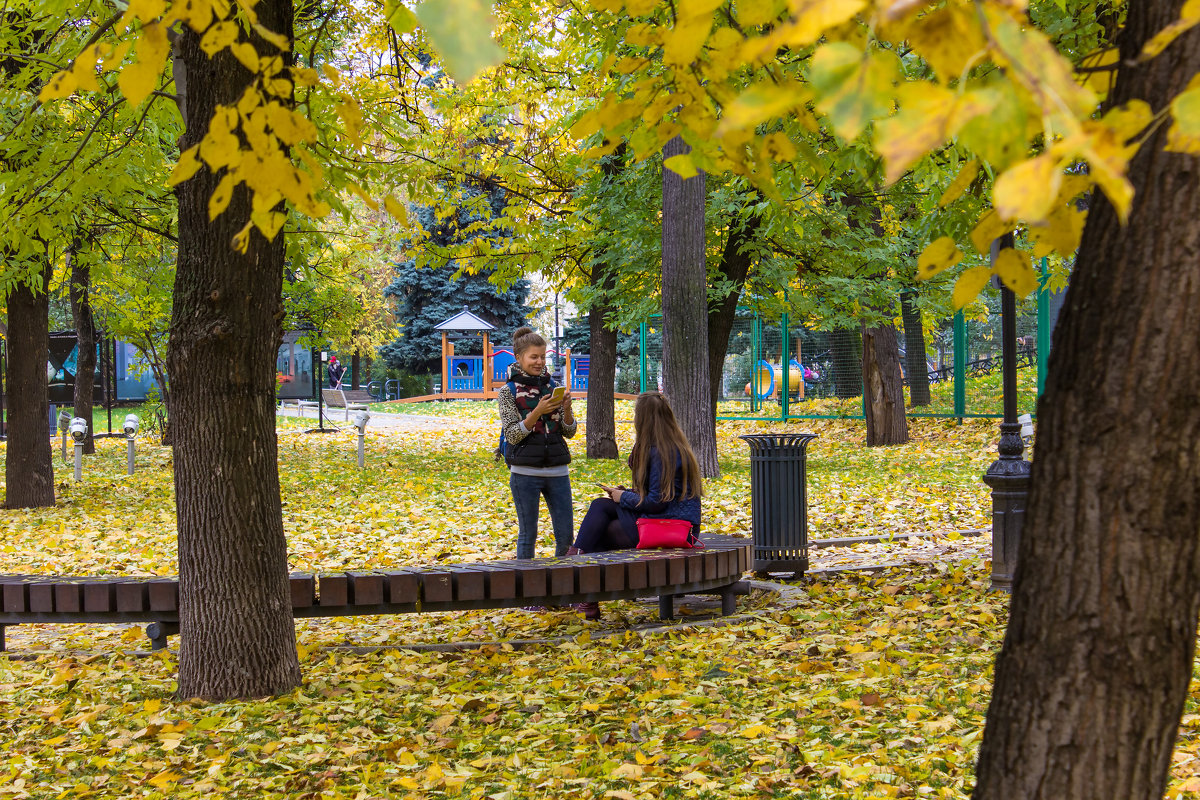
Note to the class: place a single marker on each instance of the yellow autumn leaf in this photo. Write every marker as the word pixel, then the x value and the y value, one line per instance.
pixel 1015 271
pixel 398 212
pixel 962 181
pixel 280 41
pixel 245 53
pixel 685 40
pixel 940 254
pixel 950 39
pixel 628 771
pixel 751 13
pixel 1189 16
pixel 1027 190
pixel 221 196
pixel 218 37
pixel 761 102
pixel 362 193
pixel 62 84
pixel 138 79
pixel 1184 134
pixel 186 167
pixel 969 285
pixel 681 165
pixel 1060 234
pixel 989 227
pixel 268 223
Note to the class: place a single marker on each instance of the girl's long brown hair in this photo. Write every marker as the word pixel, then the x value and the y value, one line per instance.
pixel 655 426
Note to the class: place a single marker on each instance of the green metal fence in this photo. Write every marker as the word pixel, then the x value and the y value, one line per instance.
pixel 776 370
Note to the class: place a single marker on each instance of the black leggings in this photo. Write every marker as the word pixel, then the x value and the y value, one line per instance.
pixel 602 529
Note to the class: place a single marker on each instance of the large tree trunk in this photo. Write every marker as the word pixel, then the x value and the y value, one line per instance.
pixel 237 638
pixel 28 462
pixel 914 350
pixel 735 267
pixel 602 375
pixel 685 311
pixel 846 345
pixel 602 379
pixel 1096 662
pixel 884 406
pixel 85 334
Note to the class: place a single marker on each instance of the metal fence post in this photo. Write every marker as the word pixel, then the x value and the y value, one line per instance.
pixel 642 356
pixel 960 365
pixel 786 356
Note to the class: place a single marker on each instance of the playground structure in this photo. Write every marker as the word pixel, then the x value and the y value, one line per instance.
pixel 478 377
pixel 768 379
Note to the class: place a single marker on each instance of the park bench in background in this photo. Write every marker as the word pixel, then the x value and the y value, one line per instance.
pixel 616 575
pixel 340 398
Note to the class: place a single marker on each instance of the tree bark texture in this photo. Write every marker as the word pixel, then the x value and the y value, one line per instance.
pixel 884 406
pixel 735 267
pixel 685 311
pixel 602 378
pixel 237 637
pixel 85 334
pixel 847 362
pixel 914 350
pixel 29 460
pixel 1094 671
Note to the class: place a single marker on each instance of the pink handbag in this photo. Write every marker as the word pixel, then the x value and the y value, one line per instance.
pixel 655 532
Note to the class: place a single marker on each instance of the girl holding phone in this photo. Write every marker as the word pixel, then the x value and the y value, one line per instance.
pixel 536 420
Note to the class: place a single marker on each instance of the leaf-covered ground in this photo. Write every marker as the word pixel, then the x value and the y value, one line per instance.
pixel 852 685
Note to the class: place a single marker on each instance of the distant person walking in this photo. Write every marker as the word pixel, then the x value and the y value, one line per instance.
pixel 536 421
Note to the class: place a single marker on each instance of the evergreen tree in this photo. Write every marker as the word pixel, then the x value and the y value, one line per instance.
pixel 432 287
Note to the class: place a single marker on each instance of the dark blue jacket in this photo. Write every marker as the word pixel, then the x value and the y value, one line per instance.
pixel 653 505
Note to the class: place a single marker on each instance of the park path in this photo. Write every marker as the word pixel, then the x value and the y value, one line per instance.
pixel 335 417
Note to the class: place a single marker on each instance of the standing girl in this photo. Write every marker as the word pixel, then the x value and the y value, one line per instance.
pixel 666 485
pixel 535 423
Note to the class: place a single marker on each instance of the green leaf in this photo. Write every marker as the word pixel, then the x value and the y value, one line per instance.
pixel 461 31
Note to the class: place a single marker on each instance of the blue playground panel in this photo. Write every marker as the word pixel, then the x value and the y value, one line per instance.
pixel 466 373
pixel 579 373
pixel 501 359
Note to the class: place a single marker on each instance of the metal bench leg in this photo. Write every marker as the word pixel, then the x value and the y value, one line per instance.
pixel 666 606
pixel 728 602
pixel 158 632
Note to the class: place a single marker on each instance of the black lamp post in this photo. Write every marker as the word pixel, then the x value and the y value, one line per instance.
pixel 1009 474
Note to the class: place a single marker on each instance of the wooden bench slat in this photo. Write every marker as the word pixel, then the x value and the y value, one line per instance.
pixel 437 587
pixel 132 596
pixel 469 584
pixel 163 594
pixel 303 588
pixel 100 595
pixel 68 596
pixel 711 566
pixel 501 582
pixel 403 586
pixel 333 590
pixel 366 588
pixel 562 579
pixel 41 597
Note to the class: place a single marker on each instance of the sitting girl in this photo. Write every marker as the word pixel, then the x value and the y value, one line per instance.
pixel 666 485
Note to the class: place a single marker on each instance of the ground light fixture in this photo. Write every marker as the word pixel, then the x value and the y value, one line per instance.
pixel 79 431
pixel 131 428
pixel 360 423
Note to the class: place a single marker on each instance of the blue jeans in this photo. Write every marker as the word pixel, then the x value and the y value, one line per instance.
pixel 526 491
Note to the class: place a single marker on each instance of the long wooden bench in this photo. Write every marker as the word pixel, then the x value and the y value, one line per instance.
pixel 620 574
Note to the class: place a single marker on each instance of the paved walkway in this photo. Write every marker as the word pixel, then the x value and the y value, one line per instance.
pixel 336 418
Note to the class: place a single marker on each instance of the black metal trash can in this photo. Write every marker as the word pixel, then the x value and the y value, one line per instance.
pixel 779 500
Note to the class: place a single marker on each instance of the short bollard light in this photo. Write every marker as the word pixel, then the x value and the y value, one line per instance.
pixel 79 430
pixel 131 429
pixel 360 422
pixel 64 424
pixel 1026 421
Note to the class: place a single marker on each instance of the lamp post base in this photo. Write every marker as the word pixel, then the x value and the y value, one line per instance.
pixel 1009 478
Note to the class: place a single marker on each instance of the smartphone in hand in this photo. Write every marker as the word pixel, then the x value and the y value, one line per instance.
pixel 558 394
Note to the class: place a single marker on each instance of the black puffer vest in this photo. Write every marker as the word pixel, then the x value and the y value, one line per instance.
pixel 545 445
